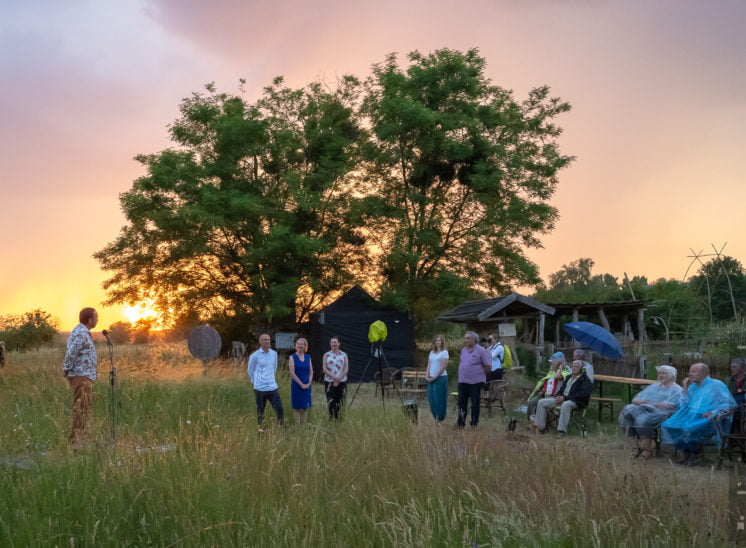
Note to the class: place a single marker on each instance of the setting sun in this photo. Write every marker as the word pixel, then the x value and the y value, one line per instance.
pixel 141 311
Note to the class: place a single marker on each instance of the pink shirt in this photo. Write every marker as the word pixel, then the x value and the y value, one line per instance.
pixel 471 365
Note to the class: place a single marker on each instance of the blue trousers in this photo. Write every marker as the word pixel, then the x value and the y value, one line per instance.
pixel 437 397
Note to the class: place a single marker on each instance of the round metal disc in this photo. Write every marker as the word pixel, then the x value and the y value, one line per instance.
pixel 204 343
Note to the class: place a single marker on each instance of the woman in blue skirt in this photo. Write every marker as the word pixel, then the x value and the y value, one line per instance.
pixel 301 375
pixel 437 378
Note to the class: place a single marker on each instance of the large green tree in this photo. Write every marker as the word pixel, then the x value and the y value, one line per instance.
pixel 575 283
pixel 459 175
pixel 28 330
pixel 248 215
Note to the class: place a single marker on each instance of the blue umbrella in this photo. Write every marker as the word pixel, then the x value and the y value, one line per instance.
pixel 595 337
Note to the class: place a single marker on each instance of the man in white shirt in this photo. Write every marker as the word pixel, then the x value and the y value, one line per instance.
pixel 262 369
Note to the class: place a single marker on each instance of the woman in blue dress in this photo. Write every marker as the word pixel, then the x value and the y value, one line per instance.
pixel 301 375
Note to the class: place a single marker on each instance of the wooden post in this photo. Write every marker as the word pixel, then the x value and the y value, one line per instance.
pixel 556 332
pixel 640 330
pixel 542 325
pixel 603 318
pixel 575 315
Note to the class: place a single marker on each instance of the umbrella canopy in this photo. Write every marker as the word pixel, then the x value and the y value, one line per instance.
pixel 595 337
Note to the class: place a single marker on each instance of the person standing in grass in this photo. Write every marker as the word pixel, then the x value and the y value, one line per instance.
pixel 437 378
pixel 474 364
pixel 301 375
pixel 336 366
pixel 79 367
pixel 262 369
pixel 497 354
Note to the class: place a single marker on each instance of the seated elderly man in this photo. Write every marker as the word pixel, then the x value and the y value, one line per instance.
pixel 574 393
pixel 702 400
pixel 549 384
pixel 648 410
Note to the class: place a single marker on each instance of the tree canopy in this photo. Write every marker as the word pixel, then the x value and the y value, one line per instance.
pixel 28 330
pixel 463 173
pixel 249 214
pixel 425 183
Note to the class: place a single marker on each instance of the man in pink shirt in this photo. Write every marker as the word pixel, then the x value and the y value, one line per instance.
pixel 474 364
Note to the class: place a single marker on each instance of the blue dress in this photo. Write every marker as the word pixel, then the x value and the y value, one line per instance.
pixel 299 398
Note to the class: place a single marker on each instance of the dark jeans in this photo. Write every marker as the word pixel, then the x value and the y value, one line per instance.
pixel 274 400
pixel 466 392
pixel 495 375
pixel 335 396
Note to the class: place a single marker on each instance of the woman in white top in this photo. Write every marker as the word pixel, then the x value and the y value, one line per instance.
pixel 336 365
pixel 437 378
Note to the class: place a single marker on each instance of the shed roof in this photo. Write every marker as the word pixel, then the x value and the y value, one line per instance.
pixel 611 306
pixel 487 310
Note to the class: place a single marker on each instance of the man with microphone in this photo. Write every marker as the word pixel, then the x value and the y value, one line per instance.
pixel 79 368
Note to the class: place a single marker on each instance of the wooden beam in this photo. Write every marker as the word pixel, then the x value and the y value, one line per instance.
pixel 603 318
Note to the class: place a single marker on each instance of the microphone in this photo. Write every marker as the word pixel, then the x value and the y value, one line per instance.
pixel 105 333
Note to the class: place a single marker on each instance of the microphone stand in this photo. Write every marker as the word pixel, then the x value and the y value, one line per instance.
pixel 112 383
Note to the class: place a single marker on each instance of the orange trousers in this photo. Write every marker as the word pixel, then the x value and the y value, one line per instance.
pixel 82 403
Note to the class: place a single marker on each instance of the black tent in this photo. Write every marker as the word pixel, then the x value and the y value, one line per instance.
pixel 349 318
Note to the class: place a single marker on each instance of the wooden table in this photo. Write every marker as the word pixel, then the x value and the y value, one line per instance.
pixel 629 381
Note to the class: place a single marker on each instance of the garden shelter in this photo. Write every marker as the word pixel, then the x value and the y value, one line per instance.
pixel 349 318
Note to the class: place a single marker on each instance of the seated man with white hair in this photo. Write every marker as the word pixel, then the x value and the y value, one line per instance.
pixel 648 410
pixel 574 393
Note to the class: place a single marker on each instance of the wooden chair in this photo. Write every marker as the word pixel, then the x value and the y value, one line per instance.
pixel 386 378
pixel 493 395
pixel 735 439
pixel 413 382
pixel 577 420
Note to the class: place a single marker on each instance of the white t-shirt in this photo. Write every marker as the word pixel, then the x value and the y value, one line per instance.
pixel 433 362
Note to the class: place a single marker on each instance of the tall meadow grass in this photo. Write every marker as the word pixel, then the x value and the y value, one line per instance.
pixel 188 468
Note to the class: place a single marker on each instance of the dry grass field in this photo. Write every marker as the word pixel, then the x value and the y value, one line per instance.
pixel 188 468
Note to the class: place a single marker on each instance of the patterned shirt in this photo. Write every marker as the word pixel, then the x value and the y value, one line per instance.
pixel 81 358
pixel 336 364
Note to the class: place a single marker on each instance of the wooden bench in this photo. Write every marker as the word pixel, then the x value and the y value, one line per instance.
pixel 606 403
pixel 413 382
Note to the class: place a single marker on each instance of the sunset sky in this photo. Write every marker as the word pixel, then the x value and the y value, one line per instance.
pixel 658 90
